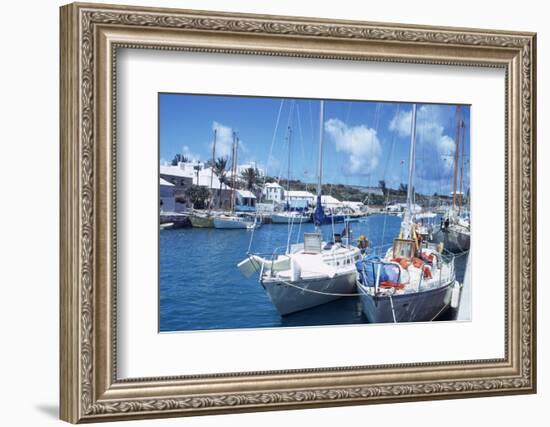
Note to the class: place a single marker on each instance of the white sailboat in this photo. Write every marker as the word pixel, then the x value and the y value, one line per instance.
pixel 454 230
pixel 413 281
pixel 233 221
pixel 289 217
pixel 307 274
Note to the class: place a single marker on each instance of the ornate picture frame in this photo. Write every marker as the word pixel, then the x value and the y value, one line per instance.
pixel 90 37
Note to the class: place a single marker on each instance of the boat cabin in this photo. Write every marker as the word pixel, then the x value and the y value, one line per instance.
pixel 404 248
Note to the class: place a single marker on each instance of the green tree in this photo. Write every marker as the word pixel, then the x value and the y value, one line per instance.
pixel 220 166
pixel 198 195
pixel 251 177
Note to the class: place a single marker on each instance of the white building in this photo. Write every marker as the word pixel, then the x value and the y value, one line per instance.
pixel 242 168
pixel 274 192
pixel 299 196
pixel 245 201
pixel 167 199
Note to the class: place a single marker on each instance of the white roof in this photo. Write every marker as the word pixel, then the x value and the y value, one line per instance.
pixel 273 184
pixel 175 171
pixel 299 194
pixel 329 200
pixel 166 183
pixel 204 175
pixel 246 194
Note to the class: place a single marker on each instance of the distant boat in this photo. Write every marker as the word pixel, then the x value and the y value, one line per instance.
pixel 311 273
pixel 454 230
pixel 289 217
pixel 235 222
pixel 453 233
pixel 167 226
pixel 202 220
pixel 413 281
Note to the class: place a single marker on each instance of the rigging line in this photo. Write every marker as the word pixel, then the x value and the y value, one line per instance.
pixel 301 134
pixel 386 170
pixel 289 121
pixel 268 160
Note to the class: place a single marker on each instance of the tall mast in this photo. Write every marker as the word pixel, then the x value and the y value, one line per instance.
pixel 412 157
pixel 457 140
pixel 288 174
pixel 461 171
pixel 233 172
pixel 212 168
pixel 320 160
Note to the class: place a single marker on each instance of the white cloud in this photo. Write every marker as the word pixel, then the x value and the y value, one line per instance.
pixel 186 151
pixel 360 143
pixel 433 143
pixel 224 139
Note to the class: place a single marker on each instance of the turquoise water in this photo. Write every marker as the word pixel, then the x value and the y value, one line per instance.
pixel 201 287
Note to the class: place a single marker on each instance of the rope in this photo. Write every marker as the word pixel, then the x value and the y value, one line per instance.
pixel 320 292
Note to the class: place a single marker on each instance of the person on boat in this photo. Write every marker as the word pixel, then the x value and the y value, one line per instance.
pixel 363 243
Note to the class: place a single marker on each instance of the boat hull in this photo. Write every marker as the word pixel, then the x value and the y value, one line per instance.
pixel 201 221
pixel 413 307
pixel 289 299
pixel 284 219
pixel 453 241
pixel 229 224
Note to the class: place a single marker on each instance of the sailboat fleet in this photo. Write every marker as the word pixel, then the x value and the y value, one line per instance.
pixel 412 280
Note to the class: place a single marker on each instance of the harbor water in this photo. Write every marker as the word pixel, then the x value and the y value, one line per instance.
pixel 201 287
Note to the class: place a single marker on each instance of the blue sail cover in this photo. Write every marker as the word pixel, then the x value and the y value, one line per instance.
pixel 319 215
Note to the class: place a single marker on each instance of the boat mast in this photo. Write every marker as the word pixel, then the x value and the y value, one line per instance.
pixel 320 159
pixel 461 172
pixel 234 171
pixel 212 170
pixel 412 154
pixel 288 173
pixel 457 140
pixel 406 224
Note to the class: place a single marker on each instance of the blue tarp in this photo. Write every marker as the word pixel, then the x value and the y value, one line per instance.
pixel 319 215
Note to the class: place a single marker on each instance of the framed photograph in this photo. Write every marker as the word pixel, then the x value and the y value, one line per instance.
pixel 267 212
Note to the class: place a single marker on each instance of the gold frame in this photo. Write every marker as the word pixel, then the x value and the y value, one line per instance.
pixel 90 36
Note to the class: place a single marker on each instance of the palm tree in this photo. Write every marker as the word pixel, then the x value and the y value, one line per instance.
pixel 251 177
pixel 382 185
pixel 220 166
pixel 179 158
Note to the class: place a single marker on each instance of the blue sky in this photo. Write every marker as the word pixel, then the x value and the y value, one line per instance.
pixel 364 142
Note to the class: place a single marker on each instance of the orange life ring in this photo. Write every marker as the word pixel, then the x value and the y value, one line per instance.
pixel 390 285
pixel 417 262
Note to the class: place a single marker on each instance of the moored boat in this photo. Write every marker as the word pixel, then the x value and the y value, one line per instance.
pixel 234 222
pixel 414 281
pixel 289 218
pixel 202 220
pixel 311 273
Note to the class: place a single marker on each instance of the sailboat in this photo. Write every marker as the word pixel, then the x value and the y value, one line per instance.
pixel 414 281
pixel 311 273
pixel 200 219
pixel 288 216
pixel 233 221
pixel 454 229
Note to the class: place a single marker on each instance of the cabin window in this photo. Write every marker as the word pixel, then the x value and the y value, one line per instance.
pixel 403 248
